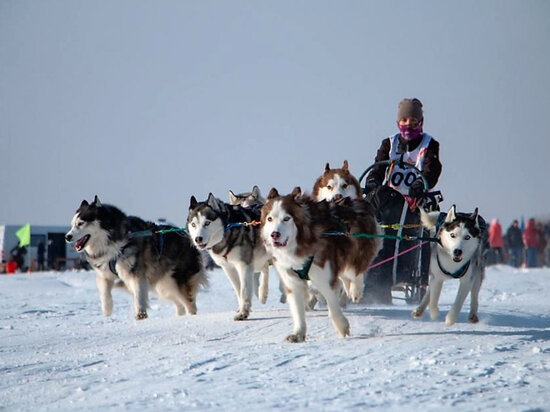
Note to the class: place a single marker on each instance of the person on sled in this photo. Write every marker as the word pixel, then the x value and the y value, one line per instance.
pixel 413 146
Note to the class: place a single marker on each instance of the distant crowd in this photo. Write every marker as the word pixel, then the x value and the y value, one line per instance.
pixel 520 246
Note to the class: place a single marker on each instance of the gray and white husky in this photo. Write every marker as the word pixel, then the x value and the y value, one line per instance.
pixel 254 200
pixel 128 249
pixel 250 199
pixel 229 235
pixel 460 254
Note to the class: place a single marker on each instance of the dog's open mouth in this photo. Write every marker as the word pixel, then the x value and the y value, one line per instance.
pixel 200 245
pixel 80 243
pixel 279 244
pixel 457 259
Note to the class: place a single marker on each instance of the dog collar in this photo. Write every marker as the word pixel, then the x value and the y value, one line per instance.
pixel 459 273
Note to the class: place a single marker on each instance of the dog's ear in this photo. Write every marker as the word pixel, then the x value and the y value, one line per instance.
pixel 214 203
pixel 273 193
pixel 474 216
pixel 345 168
pixel 193 203
pixel 327 167
pixel 232 197
pixel 256 192
pixel 96 202
pixel 84 203
pixel 451 214
pixel 297 192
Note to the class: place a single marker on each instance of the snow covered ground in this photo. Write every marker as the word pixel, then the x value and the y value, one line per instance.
pixel 57 352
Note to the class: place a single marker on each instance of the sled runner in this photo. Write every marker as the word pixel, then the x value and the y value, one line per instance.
pixel 403 263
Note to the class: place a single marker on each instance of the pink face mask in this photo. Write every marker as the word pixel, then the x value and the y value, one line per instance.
pixel 409 133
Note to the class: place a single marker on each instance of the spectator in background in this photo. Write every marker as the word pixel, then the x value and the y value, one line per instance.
pixel 50 255
pixel 496 242
pixel 40 255
pixel 542 242
pixel 11 265
pixel 515 244
pixel 531 242
pixel 19 253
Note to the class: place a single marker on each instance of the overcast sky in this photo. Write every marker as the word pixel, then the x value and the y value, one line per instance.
pixel 146 103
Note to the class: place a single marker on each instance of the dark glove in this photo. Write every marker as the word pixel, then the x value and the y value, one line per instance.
pixel 417 188
pixel 370 185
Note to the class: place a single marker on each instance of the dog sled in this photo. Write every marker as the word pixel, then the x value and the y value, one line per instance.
pixel 402 265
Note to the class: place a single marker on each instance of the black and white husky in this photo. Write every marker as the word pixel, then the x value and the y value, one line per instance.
pixel 229 235
pixel 128 249
pixel 460 254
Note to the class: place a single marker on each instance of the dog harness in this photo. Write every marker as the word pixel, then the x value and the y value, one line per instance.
pixel 303 273
pixel 459 273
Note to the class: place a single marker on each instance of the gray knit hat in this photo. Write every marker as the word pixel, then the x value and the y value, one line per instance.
pixel 410 108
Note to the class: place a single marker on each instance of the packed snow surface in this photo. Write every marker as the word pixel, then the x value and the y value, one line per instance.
pixel 58 352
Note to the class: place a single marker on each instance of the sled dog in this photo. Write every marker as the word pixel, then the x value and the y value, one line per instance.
pixel 128 249
pixel 336 183
pixel 313 241
pixel 333 185
pixel 460 254
pixel 234 244
pixel 251 199
pixel 254 200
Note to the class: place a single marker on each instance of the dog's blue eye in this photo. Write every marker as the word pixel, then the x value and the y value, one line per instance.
pixel 206 223
pixel 467 237
pixel 286 219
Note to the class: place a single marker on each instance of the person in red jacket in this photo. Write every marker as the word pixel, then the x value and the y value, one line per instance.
pixel 531 242
pixel 496 242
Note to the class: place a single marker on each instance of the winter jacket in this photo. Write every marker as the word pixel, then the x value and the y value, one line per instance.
pixel 430 170
pixel 530 234
pixel 514 237
pixel 495 234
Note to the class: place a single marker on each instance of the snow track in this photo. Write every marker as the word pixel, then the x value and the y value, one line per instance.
pixel 58 352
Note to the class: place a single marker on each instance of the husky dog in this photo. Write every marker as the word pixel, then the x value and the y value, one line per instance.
pixel 460 255
pixel 128 249
pixel 333 185
pixel 336 183
pixel 308 242
pixel 236 246
pixel 251 199
pixel 254 200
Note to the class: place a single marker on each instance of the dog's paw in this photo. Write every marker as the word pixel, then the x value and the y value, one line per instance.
pixel 141 315
pixel 241 316
pixel 473 318
pixel 344 330
pixel 296 338
pixel 417 313
pixel 450 320
pixel 434 314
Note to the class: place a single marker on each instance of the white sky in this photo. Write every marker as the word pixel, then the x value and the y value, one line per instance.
pixel 148 103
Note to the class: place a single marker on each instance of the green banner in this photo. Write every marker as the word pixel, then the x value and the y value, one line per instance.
pixel 24 235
